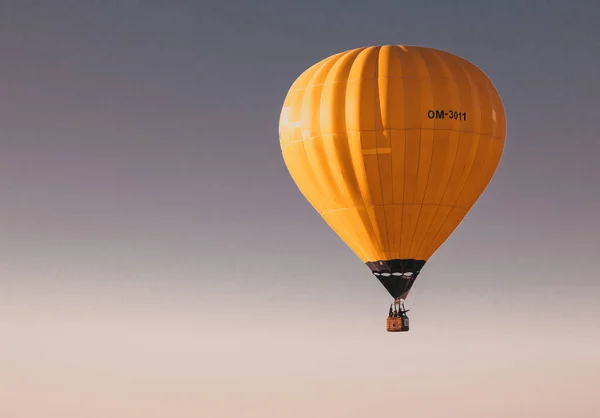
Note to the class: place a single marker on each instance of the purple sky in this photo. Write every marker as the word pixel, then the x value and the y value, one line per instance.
pixel 157 260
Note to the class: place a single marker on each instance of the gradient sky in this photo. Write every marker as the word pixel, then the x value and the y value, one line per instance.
pixel 157 260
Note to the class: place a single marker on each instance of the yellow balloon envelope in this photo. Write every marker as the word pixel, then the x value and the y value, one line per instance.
pixel 392 145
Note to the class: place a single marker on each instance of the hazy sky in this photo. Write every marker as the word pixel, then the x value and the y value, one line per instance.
pixel 157 260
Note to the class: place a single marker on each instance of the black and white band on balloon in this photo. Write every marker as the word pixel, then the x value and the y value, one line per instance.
pixel 397 276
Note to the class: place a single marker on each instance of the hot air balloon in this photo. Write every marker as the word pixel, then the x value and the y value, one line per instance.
pixel 393 145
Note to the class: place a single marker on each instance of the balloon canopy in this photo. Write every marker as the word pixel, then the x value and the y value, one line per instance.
pixel 393 145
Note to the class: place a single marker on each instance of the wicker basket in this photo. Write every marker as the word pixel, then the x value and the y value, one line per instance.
pixel 397 324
